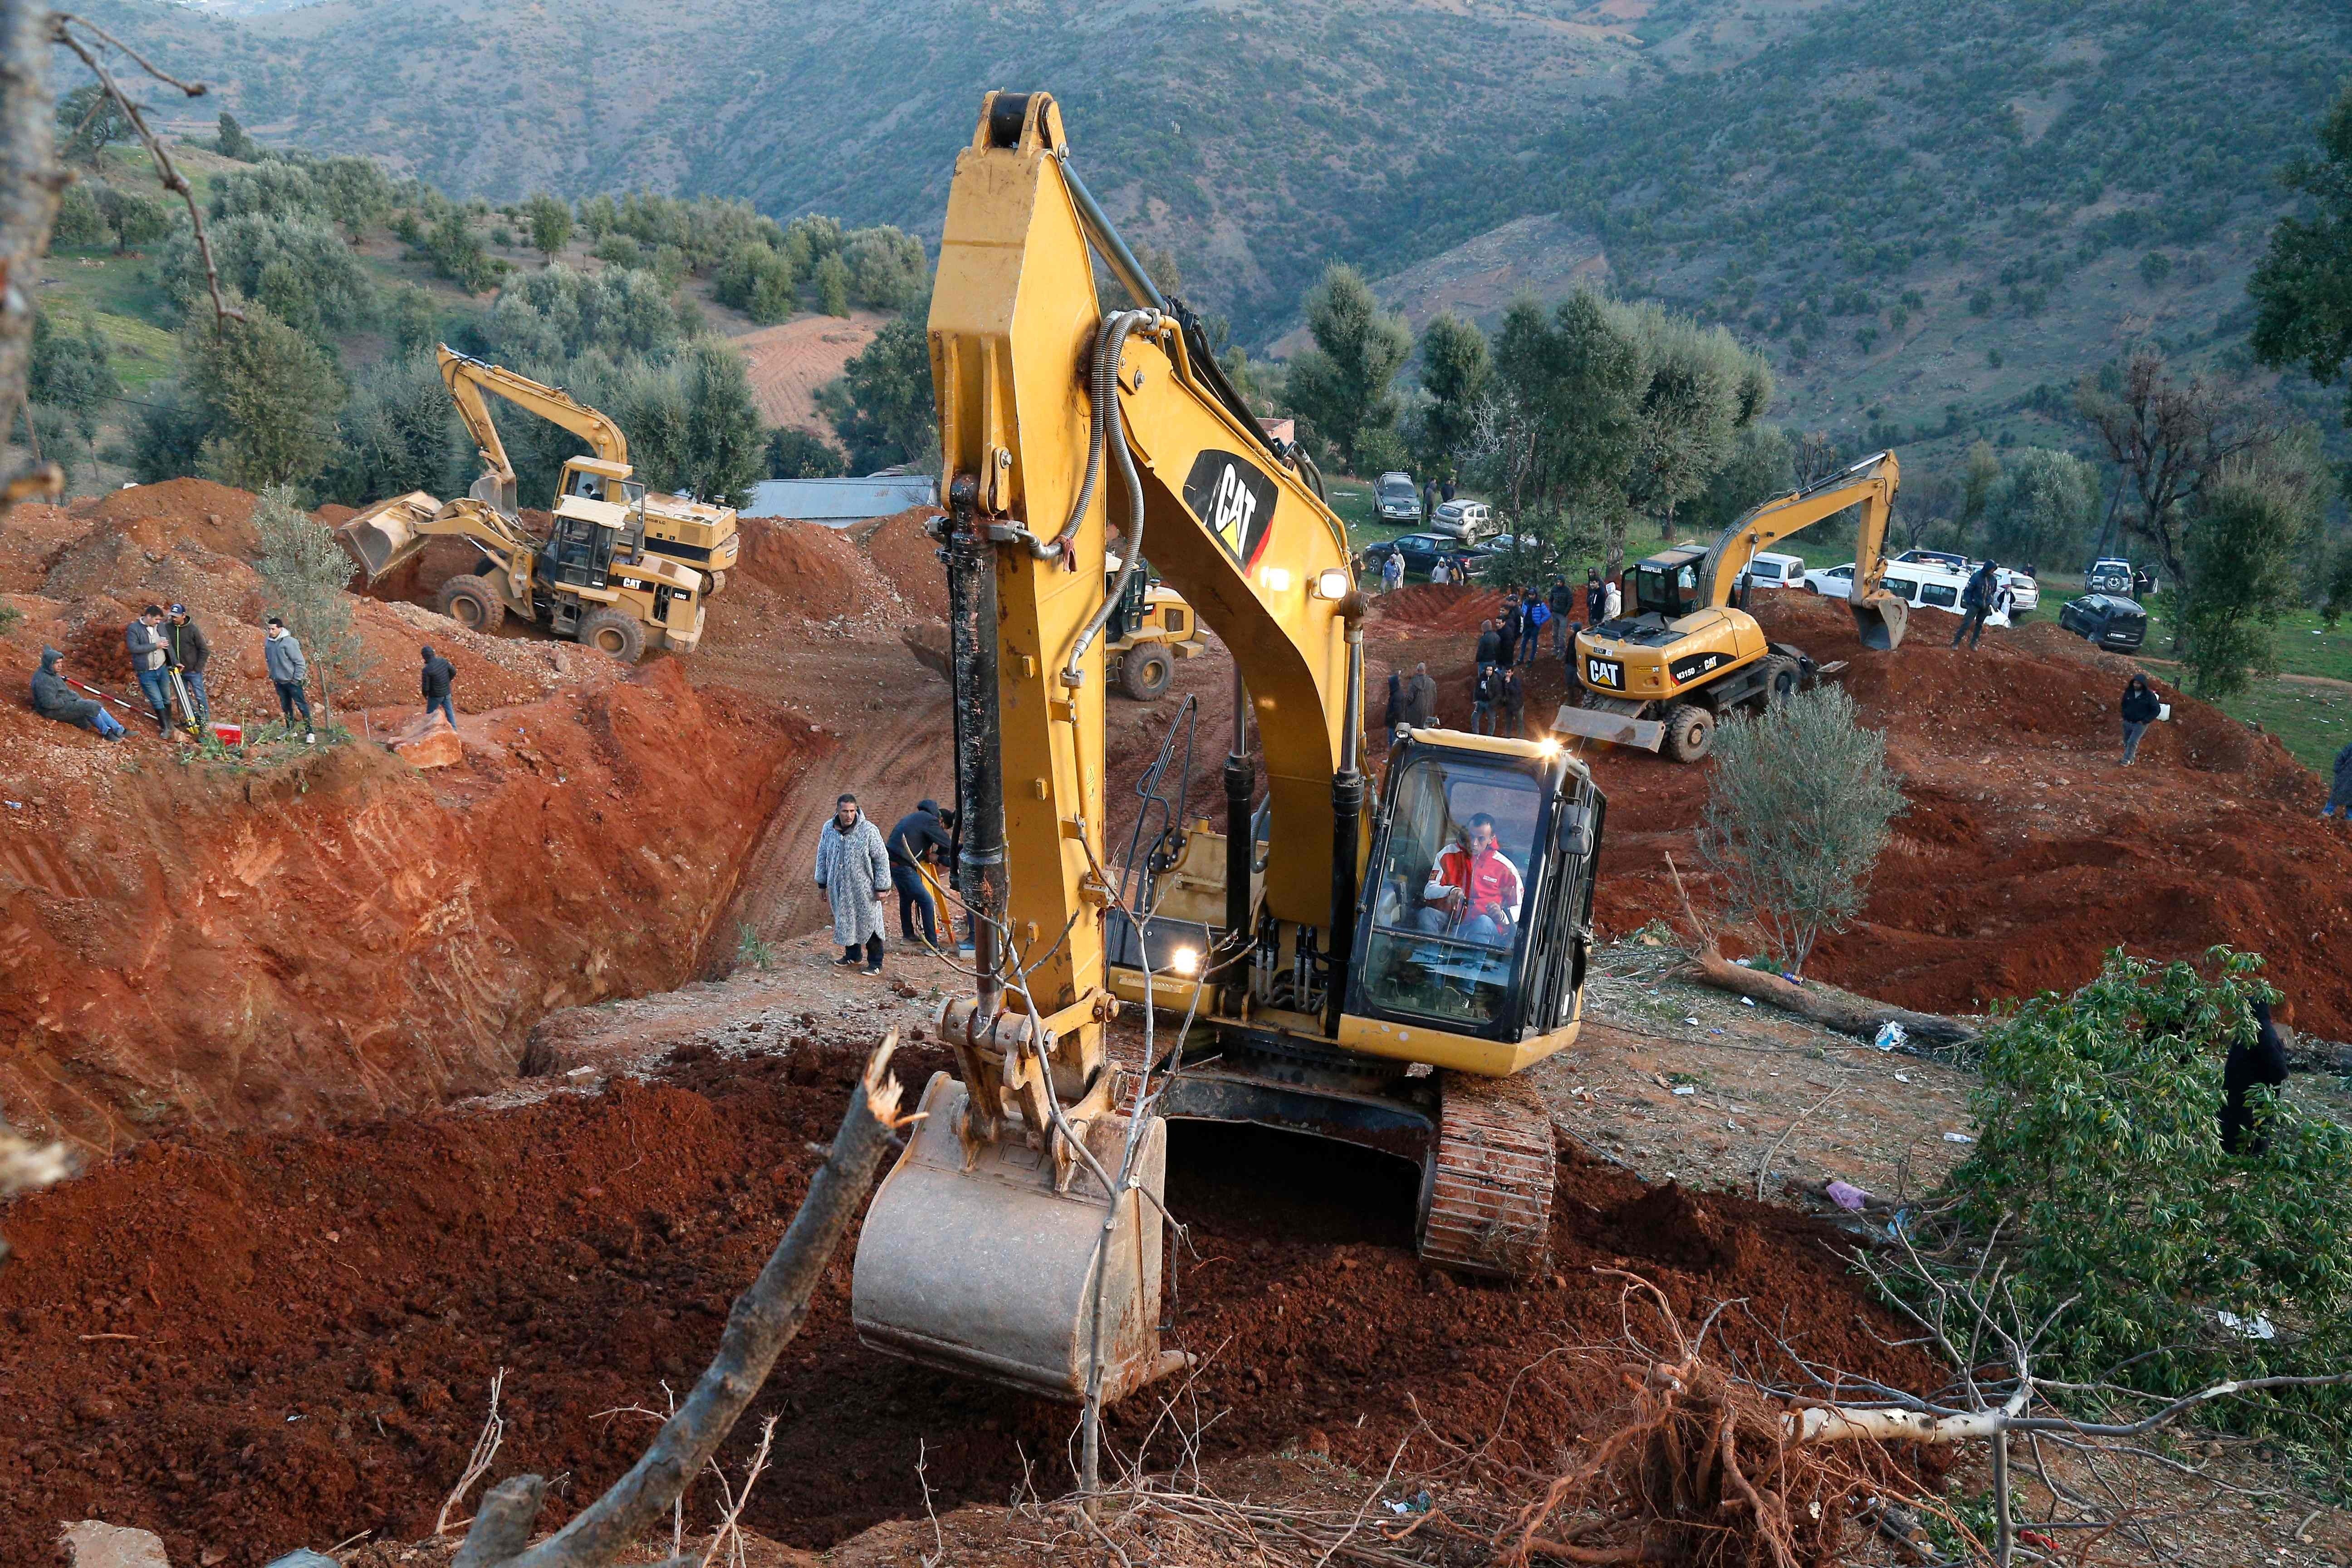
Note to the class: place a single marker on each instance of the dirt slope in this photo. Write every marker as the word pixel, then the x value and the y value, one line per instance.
pixel 330 932
pixel 791 361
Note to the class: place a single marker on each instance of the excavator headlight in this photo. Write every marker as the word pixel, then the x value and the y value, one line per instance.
pixel 1332 582
pixel 1276 579
pixel 1185 960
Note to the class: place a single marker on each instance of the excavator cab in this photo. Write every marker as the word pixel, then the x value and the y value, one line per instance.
pixel 1667 583
pixel 1480 900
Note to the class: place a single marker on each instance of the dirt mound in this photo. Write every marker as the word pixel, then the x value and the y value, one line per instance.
pixel 807 570
pixel 161 516
pixel 332 931
pixel 1429 607
pixel 316 1317
pixel 2027 851
pixel 909 558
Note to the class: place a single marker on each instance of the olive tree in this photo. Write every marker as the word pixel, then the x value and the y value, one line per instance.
pixel 1798 812
pixel 304 575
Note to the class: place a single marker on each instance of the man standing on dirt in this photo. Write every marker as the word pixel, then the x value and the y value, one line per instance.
pixel 438 674
pixel 853 867
pixel 1594 597
pixel 1420 700
pixel 2339 794
pixel 917 834
pixel 1490 645
pixel 288 671
pixel 1396 701
pixel 1392 572
pixel 1976 603
pixel 186 651
pixel 1507 628
pixel 145 638
pixel 1486 690
pixel 1533 613
pixel 1514 714
pixel 1562 600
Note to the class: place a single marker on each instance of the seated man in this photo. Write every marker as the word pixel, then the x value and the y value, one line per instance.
pixel 53 698
pixel 1473 890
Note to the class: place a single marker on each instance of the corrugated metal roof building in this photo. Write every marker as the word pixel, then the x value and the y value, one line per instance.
pixel 841 502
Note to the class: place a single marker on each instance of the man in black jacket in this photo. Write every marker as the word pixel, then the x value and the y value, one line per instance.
pixel 2262 1062
pixel 1513 713
pixel 1388 720
pixel 1594 596
pixel 1976 603
pixel 438 673
pixel 1562 600
pixel 1490 644
pixel 1507 629
pixel 1486 688
pixel 2141 708
pixel 918 833
pixel 185 650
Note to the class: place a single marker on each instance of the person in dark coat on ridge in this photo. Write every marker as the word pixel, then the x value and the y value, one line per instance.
pixel 1490 644
pixel 2141 708
pixel 1396 701
pixel 1514 710
pixel 185 650
pixel 53 698
pixel 438 673
pixel 2262 1062
pixel 1507 630
pixel 1562 600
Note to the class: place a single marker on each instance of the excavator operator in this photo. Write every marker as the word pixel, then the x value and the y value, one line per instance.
pixel 1473 890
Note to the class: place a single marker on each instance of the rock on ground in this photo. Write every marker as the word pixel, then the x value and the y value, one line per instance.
pixel 93 1544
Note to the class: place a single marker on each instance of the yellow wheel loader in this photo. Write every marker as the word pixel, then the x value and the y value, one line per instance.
pixel 1374 978
pixel 1150 630
pixel 620 570
pixel 1662 677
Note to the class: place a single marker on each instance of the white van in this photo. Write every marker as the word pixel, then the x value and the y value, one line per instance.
pixel 1770 571
pixel 1927 584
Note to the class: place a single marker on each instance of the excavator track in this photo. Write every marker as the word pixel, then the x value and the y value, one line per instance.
pixel 1486 1190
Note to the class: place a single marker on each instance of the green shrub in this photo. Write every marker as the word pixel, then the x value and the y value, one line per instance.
pixel 2099 1165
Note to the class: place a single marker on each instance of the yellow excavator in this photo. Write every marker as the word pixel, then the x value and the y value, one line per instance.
pixel 1662 677
pixel 1374 978
pixel 620 570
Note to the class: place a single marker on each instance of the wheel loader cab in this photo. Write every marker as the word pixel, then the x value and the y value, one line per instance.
pixel 1667 583
pixel 1477 915
pixel 587 539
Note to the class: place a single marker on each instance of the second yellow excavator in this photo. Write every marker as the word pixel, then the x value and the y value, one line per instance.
pixel 1371 975
pixel 1663 674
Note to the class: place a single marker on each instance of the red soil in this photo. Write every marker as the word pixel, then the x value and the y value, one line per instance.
pixel 1428 608
pixel 909 558
pixel 317 1317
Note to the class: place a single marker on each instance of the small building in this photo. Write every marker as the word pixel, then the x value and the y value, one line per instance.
pixel 838 503
pixel 1283 431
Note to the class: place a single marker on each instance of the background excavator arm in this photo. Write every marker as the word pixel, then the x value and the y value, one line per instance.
pixel 1870 484
pixel 468 378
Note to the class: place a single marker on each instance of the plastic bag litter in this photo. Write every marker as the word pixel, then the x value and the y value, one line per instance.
pixel 1846 1195
pixel 1747 1000
pixel 1891 1035
pixel 1687 1088
pixel 1959 1138
pixel 2258 1327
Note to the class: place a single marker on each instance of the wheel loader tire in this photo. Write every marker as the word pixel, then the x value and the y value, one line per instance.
pixel 609 631
pixel 1781 677
pixel 1145 671
pixel 1690 732
pixel 472 603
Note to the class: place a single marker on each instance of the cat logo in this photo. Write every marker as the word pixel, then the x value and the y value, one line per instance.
pixel 1234 500
pixel 1605 672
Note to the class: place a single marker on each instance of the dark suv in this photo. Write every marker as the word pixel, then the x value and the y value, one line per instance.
pixel 2110 620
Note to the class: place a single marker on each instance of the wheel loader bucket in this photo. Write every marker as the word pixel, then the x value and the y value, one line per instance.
pixel 1880 619
pixel 386 534
pixel 990 1273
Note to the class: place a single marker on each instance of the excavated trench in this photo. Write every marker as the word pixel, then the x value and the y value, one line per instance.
pixel 247 1343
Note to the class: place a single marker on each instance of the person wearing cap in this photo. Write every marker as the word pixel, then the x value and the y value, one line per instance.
pixel 185 650
pixel 919 834
pixel 145 638
pixel 287 672
pixel 438 673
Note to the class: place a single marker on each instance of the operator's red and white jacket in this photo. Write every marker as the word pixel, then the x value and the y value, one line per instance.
pixel 1489 881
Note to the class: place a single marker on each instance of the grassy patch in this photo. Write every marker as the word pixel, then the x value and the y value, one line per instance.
pixel 2312 722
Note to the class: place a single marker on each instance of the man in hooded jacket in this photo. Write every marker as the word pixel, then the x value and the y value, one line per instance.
pixel 919 833
pixel 53 698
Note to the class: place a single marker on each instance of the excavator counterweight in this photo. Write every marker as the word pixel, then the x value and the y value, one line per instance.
pixel 1336 953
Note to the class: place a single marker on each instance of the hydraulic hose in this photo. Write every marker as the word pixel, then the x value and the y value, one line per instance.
pixel 1111 342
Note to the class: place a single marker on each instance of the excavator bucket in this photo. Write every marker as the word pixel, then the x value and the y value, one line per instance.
pixel 386 534
pixel 989 1272
pixel 1879 621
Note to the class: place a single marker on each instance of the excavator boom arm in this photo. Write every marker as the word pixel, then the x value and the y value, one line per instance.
pixel 1870 485
pixel 468 378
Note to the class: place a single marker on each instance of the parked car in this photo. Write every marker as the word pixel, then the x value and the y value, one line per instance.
pixel 1767 570
pixel 1939 557
pixel 1467 521
pixel 1395 499
pixel 2111 575
pixel 1421 552
pixel 1835 583
pixel 2109 620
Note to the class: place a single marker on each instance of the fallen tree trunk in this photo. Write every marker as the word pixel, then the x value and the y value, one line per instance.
pixel 765 1319
pixel 1847 1014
